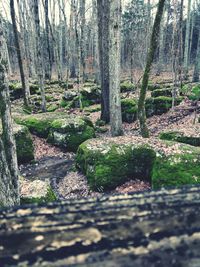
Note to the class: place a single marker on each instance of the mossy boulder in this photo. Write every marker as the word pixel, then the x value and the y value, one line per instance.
pixel 24 144
pixel 110 162
pixel 127 87
pixel 39 124
pixel 91 95
pixel 16 90
pixel 159 105
pixel 129 110
pixel 93 108
pixel 182 136
pixel 162 92
pixel 70 132
pixel 36 191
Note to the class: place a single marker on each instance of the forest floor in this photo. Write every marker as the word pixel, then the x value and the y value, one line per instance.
pixel 59 167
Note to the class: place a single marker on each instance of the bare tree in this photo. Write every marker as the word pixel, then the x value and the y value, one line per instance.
pixel 150 57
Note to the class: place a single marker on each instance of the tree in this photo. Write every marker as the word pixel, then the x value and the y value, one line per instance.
pixel 9 187
pixel 20 56
pixel 40 70
pixel 187 41
pixel 152 49
pixel 103 13
pixel 115 67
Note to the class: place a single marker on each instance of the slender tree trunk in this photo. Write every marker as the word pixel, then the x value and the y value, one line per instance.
pixel 197 62
pixel 187 41
pixel 9 187
pixel 25 84
pixel 40 71
pixel 150 57
pixel 48 47
pixel 103 11
pixel 82 39
pixel 115 67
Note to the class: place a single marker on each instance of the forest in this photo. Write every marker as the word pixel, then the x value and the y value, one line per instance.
pixel 99 133
pixel 97 97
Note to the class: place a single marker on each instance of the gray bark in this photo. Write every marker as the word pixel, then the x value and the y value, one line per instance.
pixel 115 67
pixel 148 229
pixel 9 187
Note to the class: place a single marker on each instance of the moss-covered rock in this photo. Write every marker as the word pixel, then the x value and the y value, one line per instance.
pixel 129 110
pixel 24 144
pixel 70 132
pixel 162 92
pixel 36 192
pixel 91 95
pixel 112 161
pixel 16 91
pixel 39 124
pixel 181 136
pixel 93 108
pixel 159 105
pixel 127 87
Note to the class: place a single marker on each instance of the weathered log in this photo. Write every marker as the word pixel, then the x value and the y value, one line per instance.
pixel 159 228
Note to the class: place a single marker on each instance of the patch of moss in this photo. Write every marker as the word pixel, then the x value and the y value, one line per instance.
pixel 176 170
pixel 129 110
pixel 93 108
pixel 50 197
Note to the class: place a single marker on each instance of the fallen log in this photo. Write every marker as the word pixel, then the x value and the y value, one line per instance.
pixel 158 228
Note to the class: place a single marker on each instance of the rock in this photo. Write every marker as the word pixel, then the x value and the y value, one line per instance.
pixel 16 91
pixel 186 136
pixel 36 191
pixel 24 143
pixel 129 110
pixel 162 92
pixel 39 124
pixel 69 95
pixel 110 162
pixel 127 87
pixel 91 95
pixel 159 105
pixel 70 132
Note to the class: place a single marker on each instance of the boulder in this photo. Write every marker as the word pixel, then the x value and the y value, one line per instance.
pixel 129 110
pixel 24 143
pixel 70 132
pixel 110 162
pixel 162 92
pixel 127 87
pixel 36 191
pixel 189 136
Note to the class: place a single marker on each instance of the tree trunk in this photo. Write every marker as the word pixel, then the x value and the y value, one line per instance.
pixel 103 11
pixel 115 67
pixel 40 71
pixel 197 62
pixel 24 80
pixel 82 39
pixel 49 57
pixel 150 57
pixel 9 187
pixel 187 41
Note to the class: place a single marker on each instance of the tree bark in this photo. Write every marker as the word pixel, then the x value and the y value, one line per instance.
pixel 9 187
pixel 150 57
pixel 40 71
pixel 25 84
pixel 115 67
pixel 150 229
pixel 103 11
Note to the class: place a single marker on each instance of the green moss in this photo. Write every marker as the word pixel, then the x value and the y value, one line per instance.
pixel 162 92
pixel 127 87
pixel 129 110
pixel 115 165
pixel 93 108
pixel 24 145
pixel 180 137
pixel 176 170
pixel 50 197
